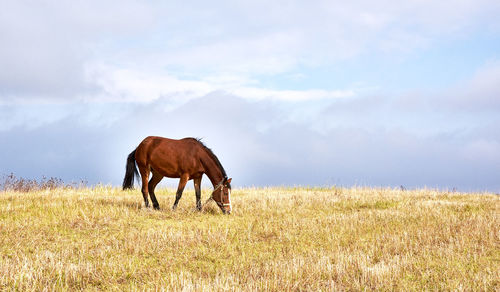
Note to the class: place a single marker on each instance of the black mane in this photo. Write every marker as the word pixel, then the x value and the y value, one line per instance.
pixel 211 154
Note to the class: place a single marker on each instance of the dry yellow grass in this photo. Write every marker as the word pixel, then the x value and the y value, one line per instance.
pixel 102 238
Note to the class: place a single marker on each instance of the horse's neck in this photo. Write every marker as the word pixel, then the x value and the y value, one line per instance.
pixel 212 171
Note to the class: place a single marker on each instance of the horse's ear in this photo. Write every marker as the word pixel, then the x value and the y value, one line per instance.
pixel 229 180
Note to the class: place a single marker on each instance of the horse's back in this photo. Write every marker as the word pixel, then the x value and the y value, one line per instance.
pixel 170 157
pixel 152 143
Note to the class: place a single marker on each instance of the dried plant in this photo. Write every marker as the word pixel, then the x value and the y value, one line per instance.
pixel 277 239
pixel 19 184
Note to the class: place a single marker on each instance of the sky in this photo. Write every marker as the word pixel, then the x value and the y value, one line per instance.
pixel 309 93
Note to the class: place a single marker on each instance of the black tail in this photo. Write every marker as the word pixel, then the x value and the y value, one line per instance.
pixel 131 171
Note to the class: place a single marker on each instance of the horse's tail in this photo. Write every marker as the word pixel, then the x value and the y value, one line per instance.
pixel 131 171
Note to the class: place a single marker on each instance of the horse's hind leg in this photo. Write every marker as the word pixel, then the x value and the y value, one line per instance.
pixel 180 189
pixel 151 188
pixel 144 171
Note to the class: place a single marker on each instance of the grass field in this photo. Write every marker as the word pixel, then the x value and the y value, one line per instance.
pixel 102 238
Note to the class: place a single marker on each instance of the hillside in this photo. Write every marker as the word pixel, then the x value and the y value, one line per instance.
pixel 102 238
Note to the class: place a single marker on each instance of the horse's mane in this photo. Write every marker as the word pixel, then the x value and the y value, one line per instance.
pixel 212 155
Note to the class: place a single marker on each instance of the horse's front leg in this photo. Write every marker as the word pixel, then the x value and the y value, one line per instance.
pixel 197 189
pixel 180 189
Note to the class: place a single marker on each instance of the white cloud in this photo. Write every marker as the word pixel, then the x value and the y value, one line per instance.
pixel 132 85
pixel 139 86
pixel 482 149
pixel 482 92
pixel 88 77
pixel 299 33
pixel 48 46
pixel 259 144
pixel 291 95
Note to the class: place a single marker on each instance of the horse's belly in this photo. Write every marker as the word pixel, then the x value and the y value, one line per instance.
pixel 176 170
pixel 167 170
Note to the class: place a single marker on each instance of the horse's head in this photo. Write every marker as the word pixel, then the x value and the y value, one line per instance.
pixel 222 195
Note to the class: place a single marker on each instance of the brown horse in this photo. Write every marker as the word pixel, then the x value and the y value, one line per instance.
pixel 186 159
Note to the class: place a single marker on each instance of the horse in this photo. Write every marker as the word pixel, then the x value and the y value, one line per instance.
pixel 186 159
